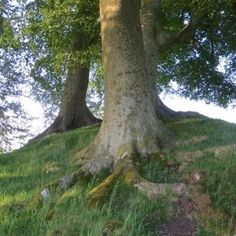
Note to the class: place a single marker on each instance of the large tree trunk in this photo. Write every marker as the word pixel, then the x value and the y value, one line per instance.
pixel 74 112
pixel 130 129
pixel 130 125
pixel 154 37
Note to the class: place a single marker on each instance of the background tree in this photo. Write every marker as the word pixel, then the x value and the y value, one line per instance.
pixel 203 65
pixel 12 76
pixel 71 48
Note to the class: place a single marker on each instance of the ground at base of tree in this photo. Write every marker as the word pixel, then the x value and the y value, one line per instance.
pixel 208 166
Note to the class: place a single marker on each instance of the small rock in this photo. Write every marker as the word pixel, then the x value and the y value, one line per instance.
pixel 44 194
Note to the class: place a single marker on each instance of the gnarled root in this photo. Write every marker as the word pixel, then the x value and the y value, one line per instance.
pixel 126 171
pixel 164 113
pixel 64 183
pixel 153 190
pixel 94 158
pixel 185 158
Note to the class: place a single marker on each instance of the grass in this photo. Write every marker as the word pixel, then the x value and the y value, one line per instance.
pixel 25 172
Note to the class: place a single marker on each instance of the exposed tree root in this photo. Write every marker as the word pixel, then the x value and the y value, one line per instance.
pixel 63 183
pixel 194 140
pixel 153 190
pixel 58 127
pixel 126 171
pixel 219 151
pixel 100 192
pixel 94 158
pixel 164 113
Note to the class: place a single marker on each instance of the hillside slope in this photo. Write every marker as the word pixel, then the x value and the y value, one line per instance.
pixel 204 146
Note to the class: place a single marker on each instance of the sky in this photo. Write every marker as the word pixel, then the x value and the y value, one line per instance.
pixel 177 103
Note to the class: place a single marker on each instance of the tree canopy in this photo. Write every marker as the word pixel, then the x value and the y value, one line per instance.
pixel 12 75
pixel 201 62
pixel 204 66
pixel 199 58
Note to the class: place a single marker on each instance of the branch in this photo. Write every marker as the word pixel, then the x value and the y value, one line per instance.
pixel 185 35
pixel 166 39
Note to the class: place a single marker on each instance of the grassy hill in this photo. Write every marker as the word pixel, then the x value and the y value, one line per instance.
pixel 205 145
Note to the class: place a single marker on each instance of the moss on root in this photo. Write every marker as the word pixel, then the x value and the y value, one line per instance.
pixel 124 171
pixel 127 172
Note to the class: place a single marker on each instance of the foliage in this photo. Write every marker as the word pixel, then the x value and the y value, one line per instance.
pixel 204 68
pixel 52 29
pixel 12 76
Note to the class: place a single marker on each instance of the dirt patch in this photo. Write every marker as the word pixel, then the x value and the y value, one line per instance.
pixel 183 221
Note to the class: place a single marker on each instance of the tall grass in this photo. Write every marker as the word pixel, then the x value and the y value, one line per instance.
pixel 25 172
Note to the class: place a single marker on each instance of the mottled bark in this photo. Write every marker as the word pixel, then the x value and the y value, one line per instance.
pixel 74 112
pixel 130 125
pixel 156 40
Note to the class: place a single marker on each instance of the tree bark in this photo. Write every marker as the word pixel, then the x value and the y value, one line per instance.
pixel 130 129
pixel 130 125
pixel 155 39
pixel 74 112
pixel 164 113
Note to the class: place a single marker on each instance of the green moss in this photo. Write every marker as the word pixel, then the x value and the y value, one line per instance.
pixel 125 150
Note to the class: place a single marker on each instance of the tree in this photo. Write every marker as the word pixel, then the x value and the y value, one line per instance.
pixel 12 77
pixel 76 42
pixel 175 36
pixel 28 42
pixel 74 112
pixel 195 67
pixel 130 127
pixel 156 39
